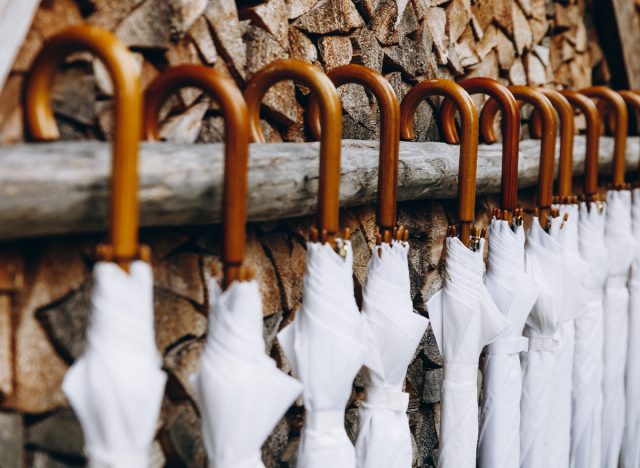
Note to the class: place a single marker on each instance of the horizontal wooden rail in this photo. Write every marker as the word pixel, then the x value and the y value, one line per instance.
pixel 59 188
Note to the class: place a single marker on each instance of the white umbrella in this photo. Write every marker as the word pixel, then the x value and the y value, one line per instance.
pixel 514 293
pixel 384 439
pixel 464 319
pixel 586 415
pixel 239 390
pixel 116 386
pixel 560 300
pixel 559 437
pixel 621 248
pixel 631 447
pixel 326 347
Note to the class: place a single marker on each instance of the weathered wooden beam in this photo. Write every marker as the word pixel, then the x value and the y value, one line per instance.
pixel 56 188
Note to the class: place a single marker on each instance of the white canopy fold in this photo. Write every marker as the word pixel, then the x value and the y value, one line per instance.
pixel 514 293
pixel 559 437
pixel 326 347
pixel 116 386
pixel 239 390
pixel 560 300
pixel 464 319
pixel 586 414
pixel 384 439
pixel 631 443
pixel 621 248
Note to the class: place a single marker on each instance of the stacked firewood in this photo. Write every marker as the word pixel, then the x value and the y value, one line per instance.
pixel 531 42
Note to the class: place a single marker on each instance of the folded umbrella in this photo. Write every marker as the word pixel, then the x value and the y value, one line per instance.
pixel 384 439
pixel 559 301
pixel 586 416
pixel 464 319
pixel 559 437
pixel 239 390
pixel 515 294
pixel 116 386
pixel 326 348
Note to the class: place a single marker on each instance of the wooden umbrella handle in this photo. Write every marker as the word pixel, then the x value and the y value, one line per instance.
pixel 123 233
pixel 510 132
pixel 469 142
pixel 547 145
pixel 331 122
pixel 236 150
pixel 615 102
pixel 567 131
pixel 389 136
pixel 590 112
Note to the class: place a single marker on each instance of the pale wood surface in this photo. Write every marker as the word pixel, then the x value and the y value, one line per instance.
pixel 55 188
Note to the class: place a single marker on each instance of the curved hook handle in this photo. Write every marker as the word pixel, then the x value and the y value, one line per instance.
pixel 547 145
pixel 123 232
pixel 236 150
pixel 455 94
pixel 567 131
pixel 331 122
pixel 615 102
pixel 590 112
pixel 389 136
pixel 510 132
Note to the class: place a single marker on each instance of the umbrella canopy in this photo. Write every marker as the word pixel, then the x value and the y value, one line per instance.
pixel 116 386
pixel 239 390
pixel 464 319
pixel 560 301
pixel 586 416
pixel 559 438
pixel 630 448
pixel 515 294
pixel 621 247
pixel 384 439
pixel 326 348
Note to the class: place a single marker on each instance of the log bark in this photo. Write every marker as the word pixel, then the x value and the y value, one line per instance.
pixel 62 187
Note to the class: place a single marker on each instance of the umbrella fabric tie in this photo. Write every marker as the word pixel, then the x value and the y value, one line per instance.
pixel 386 399
pixel 325 440
pixel 508 346
pixel 543 343
pixel 461 373
pixel 252 461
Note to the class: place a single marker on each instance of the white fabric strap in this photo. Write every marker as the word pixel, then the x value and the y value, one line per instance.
pixel 386 399
pixel 102 459
pixel 324 421
pixel 508 346
pixel 461 372
pixel 543 343
pixel 619 281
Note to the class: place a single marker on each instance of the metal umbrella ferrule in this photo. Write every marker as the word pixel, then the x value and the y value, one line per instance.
pixel 548 140
pixel 330 141
pixel 468 147
pixel 123 245
pixel 590 112
pixel 510 133
pixel 616 103
pixel 236 152
pixel 387 100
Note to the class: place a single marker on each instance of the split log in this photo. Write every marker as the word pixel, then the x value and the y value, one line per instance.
pixel 57 188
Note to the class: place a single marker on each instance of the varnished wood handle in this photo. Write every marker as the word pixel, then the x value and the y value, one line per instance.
pixel 41 124
pixel 331 123
pixel 547 145
pixel 590 112
pixel 617 104
pixel 510 132
pixel 468 147
pixel 389 136
pixel 236 150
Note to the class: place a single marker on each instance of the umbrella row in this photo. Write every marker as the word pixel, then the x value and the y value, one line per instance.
pixel 554 309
